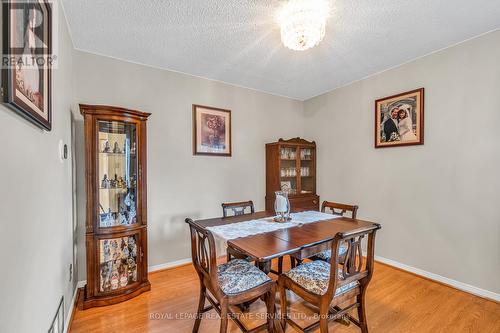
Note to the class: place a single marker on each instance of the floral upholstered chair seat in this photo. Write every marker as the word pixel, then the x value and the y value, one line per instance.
pixel 239 275
pixel 327 254
pixel 314 276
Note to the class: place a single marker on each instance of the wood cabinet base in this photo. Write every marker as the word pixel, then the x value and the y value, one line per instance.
pixel 109 300
pixel 297 203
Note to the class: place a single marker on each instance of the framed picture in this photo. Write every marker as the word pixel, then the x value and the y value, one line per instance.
pixel 399 119
pixel 286 186
pixel 211 131
pixel 27 59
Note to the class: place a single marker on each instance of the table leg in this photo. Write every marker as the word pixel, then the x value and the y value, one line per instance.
pixel 265 266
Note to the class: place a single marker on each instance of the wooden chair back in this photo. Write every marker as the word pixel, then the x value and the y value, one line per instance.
pixel 238 208
pixel 339 208
pixel 204 256
pixel 354 267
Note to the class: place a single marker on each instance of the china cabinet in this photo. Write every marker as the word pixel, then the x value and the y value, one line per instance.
pixel 116 221
pixel 291 168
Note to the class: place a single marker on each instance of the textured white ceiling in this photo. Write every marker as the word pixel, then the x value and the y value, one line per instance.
pixel 238 41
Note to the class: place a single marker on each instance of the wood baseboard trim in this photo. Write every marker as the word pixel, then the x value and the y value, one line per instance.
pixel 74 304
pixel 486 294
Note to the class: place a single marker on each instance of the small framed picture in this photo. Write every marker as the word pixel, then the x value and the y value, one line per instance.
pixel 211 131
pixel 27 60
pixel 286 186
pixel 399 119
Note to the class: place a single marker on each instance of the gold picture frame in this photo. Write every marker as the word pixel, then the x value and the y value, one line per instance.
pixel 399 119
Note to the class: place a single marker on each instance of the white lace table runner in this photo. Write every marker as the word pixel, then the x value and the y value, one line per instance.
pixel 225 232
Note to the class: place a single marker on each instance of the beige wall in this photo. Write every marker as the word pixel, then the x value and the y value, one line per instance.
pixel 180 184
pixel 36 209
pixel 438 203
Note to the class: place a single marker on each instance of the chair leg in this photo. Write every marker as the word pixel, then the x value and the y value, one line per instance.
pixel 362 312
pixel 271 309
pixel 280 265
pixel 283 305
pixel 292 262
pixel 223 317
pixel 199 314
pixel 228 256
pixel 323 319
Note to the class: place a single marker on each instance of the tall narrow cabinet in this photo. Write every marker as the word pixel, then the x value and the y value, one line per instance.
pixel 116 221
pixel 291 167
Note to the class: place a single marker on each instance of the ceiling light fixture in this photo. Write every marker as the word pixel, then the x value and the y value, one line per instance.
pixel 303 23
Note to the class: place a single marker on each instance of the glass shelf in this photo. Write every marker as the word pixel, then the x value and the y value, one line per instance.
pixel 116 154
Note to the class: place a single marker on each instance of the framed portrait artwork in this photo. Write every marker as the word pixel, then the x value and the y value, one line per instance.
pixel 27 59
pixel 399 119
pixel 211 131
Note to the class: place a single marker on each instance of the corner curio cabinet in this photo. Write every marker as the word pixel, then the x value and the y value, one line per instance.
pixel 291 167
pixel 116 221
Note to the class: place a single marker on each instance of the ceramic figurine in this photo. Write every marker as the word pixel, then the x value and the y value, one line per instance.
pixel 107 219
pixel 133 148
pixel 121 182
pixel 132 182
pixel 114 250
pixel 116 149
pixel 124 248
pixel 123 204
pixel 104 276
pixel 106 251
pixel 132 216
pixel 107 284
pixel 125 252
pixel 111 219
pixel 113 182
pixel 131 268
pixel 107 147
pixel 115 279
pixel 105 183
pixel 123 277
pixel 132 246
pixel 122 219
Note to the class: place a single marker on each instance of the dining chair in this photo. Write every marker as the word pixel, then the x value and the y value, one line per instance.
pixel 337 209
pixel 237 209
pixel 342 208
pixel 231 283
pixel 327 286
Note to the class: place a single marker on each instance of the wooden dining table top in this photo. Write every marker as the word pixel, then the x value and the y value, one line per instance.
pixel 267 246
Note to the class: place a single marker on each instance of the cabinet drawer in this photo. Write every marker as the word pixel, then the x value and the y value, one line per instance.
pixel 307 203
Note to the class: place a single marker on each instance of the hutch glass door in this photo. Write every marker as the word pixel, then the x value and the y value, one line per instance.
pixel 117 163
pixel 288 170
pixel 307 181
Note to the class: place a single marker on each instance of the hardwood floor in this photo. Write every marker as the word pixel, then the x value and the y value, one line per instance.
pixel 397 302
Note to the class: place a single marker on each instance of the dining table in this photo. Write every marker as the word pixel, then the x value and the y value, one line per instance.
pixel 262 239
pixel 306 234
